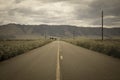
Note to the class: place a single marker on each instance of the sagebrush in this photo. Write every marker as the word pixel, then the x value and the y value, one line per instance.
pixel 108 47
pixel 10 48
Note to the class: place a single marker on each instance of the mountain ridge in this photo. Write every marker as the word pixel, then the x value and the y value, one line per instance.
pixel 16 30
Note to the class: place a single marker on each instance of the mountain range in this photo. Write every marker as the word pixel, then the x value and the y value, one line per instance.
pixel 18 31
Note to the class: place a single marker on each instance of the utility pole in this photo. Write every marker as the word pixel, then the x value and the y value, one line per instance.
pixel 45 35
pixel 102 25
pixel 73 34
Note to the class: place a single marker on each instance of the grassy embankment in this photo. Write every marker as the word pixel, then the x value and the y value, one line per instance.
pixel 108 47
pixel 11 48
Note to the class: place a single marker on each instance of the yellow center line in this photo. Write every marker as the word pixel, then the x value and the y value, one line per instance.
pixel 61 57
pixel 58 63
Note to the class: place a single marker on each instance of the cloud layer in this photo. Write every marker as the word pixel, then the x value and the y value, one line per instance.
pixel 60 12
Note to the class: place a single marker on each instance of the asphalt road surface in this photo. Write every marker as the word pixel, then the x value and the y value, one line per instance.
pixel 60 61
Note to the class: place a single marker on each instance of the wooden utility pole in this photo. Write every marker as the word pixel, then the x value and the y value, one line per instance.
pixel 102 25
pixel 45 35
pixel 73 34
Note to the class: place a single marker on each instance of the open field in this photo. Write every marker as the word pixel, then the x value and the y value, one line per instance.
pixel 11 48
pixel 108 47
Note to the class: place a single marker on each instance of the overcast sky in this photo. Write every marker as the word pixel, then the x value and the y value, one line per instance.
pixel 86 13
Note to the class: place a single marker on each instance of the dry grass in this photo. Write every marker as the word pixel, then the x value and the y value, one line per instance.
pixel 11 48
pixel 108 47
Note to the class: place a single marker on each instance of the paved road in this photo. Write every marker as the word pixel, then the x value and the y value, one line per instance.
pixel 60 61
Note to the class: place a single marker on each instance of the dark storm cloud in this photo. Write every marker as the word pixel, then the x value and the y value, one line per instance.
pixel 110 8
pixel 18 1
pixel 93 12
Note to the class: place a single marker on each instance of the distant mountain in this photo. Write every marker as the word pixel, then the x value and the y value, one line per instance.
pixel 36 31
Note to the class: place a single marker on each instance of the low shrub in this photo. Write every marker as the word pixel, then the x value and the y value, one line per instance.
pixel 108 47
pixel 12 48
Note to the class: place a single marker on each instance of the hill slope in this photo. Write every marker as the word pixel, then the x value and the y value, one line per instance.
pixel 35 31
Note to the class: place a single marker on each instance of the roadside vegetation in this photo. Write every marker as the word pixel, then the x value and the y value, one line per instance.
pixel 11 48
pixel 108 47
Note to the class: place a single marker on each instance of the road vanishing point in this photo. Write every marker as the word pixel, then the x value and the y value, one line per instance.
pixel 60 60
